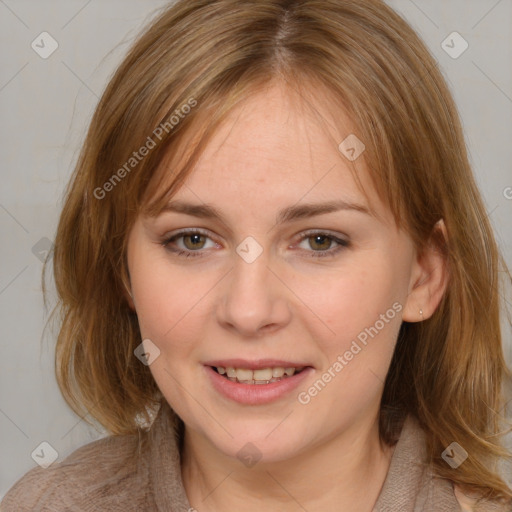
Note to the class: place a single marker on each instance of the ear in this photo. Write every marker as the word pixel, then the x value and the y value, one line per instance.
pixel 429 277
pixel 127 289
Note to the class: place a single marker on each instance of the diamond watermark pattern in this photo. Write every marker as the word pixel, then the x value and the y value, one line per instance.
pixel 45 455
pixel 454 45
pixel 454 455
pixel 249 250
pixel 147 352
pixel 249 455
pixel 42 248
pixel 352 147
pixel 44 45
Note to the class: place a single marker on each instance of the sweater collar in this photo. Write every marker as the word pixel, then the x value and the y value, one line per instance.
pixel 409 486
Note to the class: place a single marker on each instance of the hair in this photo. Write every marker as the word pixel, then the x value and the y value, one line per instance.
pixel 447 371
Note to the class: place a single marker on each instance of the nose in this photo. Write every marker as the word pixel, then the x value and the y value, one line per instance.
pixel 253 300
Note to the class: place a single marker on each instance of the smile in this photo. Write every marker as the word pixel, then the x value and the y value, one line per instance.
pixel 263 376
pixel 256 386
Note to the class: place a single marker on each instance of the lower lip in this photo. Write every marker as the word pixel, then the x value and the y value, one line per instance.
pixel 256 394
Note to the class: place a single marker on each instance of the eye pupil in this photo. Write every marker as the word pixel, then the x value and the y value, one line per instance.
pixel 322 240
pixel 195 239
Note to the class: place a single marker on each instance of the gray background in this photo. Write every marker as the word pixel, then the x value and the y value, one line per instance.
pixel 45 107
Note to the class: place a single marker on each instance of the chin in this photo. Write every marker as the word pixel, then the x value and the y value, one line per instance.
pixel 262 444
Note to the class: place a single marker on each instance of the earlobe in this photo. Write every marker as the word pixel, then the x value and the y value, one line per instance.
pixel 131 304
pixel 128 294
pixel 429 277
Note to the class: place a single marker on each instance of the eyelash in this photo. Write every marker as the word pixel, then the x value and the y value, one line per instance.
pixel 342 244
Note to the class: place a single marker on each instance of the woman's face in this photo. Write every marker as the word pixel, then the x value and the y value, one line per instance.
pixel 291 271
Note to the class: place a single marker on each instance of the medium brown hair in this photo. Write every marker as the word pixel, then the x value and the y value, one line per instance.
pixel 447 371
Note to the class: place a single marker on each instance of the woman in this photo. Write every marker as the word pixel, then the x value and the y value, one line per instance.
pixel 273 242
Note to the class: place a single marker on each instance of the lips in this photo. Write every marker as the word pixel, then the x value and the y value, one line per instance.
pixel 264 376
pixel 256 392
pixel 258 364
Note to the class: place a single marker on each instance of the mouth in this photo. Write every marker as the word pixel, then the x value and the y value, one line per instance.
pixel 257 383
pixel 260 376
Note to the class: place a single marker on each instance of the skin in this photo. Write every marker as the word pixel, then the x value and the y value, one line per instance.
pixel 270 154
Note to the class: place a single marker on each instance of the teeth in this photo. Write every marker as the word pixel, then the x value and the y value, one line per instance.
pixel 277 372
pixel 243 374
pixel 262 376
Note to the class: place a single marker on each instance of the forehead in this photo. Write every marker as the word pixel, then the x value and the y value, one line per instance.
pixel 274 130
pixel 281 145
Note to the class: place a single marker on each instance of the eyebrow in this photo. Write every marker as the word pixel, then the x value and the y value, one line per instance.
pixel 288 214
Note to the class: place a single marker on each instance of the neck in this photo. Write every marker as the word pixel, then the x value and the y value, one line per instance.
pixel 345 472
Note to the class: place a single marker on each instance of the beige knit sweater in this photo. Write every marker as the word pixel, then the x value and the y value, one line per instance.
pixel 142 473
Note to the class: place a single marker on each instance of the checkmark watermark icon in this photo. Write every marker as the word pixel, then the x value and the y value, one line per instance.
pixel 454 45
pixel 249 249
pixel 147 352
pixel 44 45
pixel 44 455
pixel 249 455
pixel 352 147
pixel 454 455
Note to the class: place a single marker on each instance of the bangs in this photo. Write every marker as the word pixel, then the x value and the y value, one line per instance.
pixel 183 150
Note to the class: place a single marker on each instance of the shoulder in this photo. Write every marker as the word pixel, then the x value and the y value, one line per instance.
pixel 470 503
pixel 106 472
pixel 411 468
pixel 467 504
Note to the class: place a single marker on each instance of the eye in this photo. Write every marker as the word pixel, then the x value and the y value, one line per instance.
pixel 186 243
pixel 322 243
pixel 190 243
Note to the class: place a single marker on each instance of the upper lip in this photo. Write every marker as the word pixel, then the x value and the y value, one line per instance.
pixel 257 364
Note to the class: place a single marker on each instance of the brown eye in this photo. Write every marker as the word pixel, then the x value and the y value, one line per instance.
pixel 193 241
pixel 189 243
pixel 320 242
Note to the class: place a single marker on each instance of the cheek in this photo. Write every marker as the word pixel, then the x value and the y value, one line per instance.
pixel 351 299
pixel 155 292
pixel 363 312
pixel 170 303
